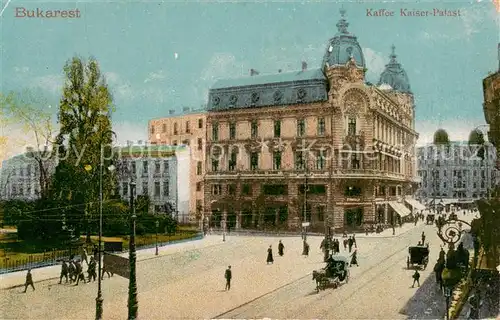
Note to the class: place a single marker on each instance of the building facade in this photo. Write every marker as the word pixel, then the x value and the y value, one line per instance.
pixel 455 172
pixel 20 177
pixel 321 147
pixel 158 172
pixel 187 129
pixel 491 106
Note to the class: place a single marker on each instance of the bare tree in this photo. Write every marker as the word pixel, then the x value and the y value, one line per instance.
pixel 30 112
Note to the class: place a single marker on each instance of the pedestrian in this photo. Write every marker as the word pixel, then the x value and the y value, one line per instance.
pixel 72 271
pixel 350 243
pixel 270 258
pixel 345 244
pixel 305 248
pixel 95 252
pixel 84 255
pixel 337 246
pixel 354 258
pixel 79 272
pixel 354 241
pixel 92 269
pixel 423 237
pixel 105 269
pixel 228 275
pixel 64 272
pixel 281 247
pixel 29 281
pixel 416 278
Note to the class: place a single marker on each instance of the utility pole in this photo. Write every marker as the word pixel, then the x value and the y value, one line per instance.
pixel 132 284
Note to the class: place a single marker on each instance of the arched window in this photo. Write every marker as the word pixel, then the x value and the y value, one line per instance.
pixel 176 129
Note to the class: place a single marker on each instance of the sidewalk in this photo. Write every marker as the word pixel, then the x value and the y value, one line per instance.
pixel 387 233
pixel 17 279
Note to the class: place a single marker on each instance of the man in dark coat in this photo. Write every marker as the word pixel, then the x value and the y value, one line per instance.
pixel 228 275
pixel 345 243
pixel 29 281
pixel 416 278
pixel 350 242
pixel 305 248
pixel 270 258
pixel 79 273
pixel 423 237
pixel 64 272
pixel 354 241
pixel 72 271
pixel 92 269
pixel 438 271
pixel 281 247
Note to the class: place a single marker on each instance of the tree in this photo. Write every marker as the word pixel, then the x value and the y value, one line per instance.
pixel 31 113
pixel 84 139
pixel 476 140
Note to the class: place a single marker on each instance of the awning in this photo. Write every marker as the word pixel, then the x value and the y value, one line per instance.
pixel 415 204
pixel 444 202
pixel 400 208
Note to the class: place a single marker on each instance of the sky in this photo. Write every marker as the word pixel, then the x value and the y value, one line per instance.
pixel 158 56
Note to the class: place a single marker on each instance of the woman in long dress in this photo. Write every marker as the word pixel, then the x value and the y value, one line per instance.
pixel 354 258
pixel 270 255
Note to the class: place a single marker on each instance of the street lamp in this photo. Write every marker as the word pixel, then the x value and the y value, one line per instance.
pixel 447 294
pixel 99 299
pixel 132 284
pixel 157 225
pixel 306 187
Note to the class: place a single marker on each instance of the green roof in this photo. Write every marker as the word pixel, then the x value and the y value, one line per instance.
pixel 314 74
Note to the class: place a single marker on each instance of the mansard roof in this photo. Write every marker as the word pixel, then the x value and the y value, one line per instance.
pixel 295 87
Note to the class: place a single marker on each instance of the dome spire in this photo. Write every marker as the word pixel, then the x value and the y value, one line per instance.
pixel 393 54
pixel 342 24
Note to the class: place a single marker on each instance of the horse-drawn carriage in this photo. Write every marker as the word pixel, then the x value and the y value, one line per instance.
pixel 418 256
pixel 430 219
pixel 333 274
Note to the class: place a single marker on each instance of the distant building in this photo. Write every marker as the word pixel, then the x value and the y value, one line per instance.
pixel 20 176
pixel 159 172
pixel 189 129
pixel 455 174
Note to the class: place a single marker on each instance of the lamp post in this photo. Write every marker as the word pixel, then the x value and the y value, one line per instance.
pixel 447 294
pixel 157 225
pixel 306 187
pixel 132 284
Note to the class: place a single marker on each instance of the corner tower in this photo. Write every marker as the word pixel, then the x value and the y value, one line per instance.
pixel 394 75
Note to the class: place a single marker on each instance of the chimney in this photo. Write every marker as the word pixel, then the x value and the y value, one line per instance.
pixel 279 70
pixel 171 111
pixel 253 72
pixel 304 66
pixel 185 109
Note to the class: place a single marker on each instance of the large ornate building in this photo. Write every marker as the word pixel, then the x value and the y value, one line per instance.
pixel 455 173
pixel 320 146
pixel 189 129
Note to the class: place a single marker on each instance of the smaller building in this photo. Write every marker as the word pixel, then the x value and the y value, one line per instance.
pixel 20 176
pixel 161 172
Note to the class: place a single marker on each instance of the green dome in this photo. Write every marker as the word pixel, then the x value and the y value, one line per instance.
pixel 394 75
pixel 441 137
pixel 476 137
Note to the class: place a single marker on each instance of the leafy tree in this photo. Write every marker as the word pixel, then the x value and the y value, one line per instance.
pixel 84 140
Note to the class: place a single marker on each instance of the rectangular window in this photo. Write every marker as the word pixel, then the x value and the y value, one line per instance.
pixel 145 167
pixel 299 160
pixel 152 129
pixel 277 128
pixel 185 142
pixel 198 168
pixel 215 131
pixel 232 131
pixel 321 213
pixel 277 160
pixel 254 161
pixel 125 188
pixel 320 160
pixel 216 189
pixel 254 129
pixel 157 188
pixel 215 165
pixel 246 190
pixel 176 130
pixel 275 189
pixel 355 163
pixel 188 129
pixel 164 128
pixel 321 126
pixel 200 123
pixel 232 161
pixel 166 188
pixel 198 186
pixel 231 189
pixel 145 188
pixel 301 127
pixel 166 167
pixel 200 144
pixel 351 126
pixel 157 167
